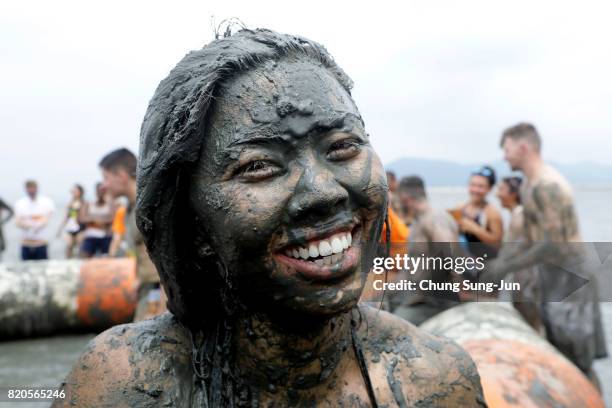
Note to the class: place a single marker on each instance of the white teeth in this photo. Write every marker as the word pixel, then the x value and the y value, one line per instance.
pixel 303 253
pixel 319 261
pixel 330 249
pixel 336 245
pixel 313 251
pixel 325 248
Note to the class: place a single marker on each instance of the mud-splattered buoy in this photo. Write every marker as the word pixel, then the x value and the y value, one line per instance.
pixel 40 298
pixel 518 368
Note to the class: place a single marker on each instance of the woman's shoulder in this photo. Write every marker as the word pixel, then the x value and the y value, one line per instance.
pixel 492 211
pixel 417 368
pixel 134 364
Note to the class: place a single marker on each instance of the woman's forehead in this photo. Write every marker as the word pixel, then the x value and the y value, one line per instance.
pixel 290 97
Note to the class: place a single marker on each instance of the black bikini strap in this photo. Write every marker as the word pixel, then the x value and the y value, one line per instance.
pixel 363 367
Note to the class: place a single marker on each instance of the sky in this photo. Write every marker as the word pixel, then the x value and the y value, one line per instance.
pixel 433 79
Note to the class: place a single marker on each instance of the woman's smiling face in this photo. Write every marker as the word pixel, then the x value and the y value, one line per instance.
pixel 288 190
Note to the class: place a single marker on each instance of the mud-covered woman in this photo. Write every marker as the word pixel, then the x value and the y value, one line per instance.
pixel 261 202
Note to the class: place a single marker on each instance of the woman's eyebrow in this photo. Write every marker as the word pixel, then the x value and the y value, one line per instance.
pixel 258 139
pixel 234 149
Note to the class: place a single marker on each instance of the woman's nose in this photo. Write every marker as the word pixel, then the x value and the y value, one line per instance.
pixel 316 193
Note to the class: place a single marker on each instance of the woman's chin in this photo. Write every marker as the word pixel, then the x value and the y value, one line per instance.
pixel 322 303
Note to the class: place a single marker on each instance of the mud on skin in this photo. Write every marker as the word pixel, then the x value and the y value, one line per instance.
pixel 262 212
pixel 139 367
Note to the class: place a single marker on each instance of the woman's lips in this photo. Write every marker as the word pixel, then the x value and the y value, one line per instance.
pixel 318 272
pixel 325 259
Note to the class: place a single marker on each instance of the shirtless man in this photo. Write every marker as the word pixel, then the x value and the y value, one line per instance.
pixel 552 242
pixel 261 202
pixel 432 232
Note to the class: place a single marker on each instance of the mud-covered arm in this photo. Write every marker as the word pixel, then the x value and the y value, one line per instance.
pixel 553 220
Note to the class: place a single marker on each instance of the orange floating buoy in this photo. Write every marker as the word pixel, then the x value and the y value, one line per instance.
pixel 48 297
pixel 517 367
pixel 106 293
pixel 516 374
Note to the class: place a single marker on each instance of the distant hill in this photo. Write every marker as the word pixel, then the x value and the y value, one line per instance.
pixel 437 173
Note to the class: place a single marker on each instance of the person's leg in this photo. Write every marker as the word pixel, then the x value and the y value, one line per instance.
pixel 25 253
pixel 87 248
pixel 70 244
pixel 105 245
pixel 38 253
pixel 97 246
pixel 42 253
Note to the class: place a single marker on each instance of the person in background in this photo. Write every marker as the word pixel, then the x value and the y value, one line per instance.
pixel 32 215
pixel 98 217
pixel 72 226
pixel 119 174
pixel 524 300
pixel 553 243
pixel 393 198
pixel 118 227
pixel 479 221
pixel 432 233
pixel 508 193
pixel 4 208
pixel 398 245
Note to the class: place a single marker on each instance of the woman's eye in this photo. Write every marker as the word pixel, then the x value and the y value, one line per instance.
pixel 258 169
pixel 343 150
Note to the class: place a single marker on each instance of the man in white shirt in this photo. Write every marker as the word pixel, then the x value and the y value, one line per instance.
pixel 33 213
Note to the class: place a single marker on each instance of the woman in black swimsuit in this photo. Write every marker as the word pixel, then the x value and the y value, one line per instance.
pixel 481 223
pixel 71 225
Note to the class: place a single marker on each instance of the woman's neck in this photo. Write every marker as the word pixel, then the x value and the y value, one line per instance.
pixel 270 357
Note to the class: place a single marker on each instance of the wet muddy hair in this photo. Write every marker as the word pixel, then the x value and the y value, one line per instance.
pixel 171 140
